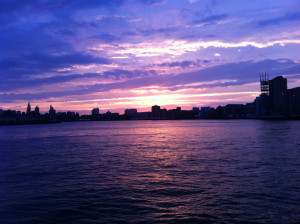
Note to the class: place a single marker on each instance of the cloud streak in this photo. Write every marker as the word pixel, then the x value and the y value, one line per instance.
pixel 218 76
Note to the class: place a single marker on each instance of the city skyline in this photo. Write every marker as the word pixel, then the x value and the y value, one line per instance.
pixel 135 54
pixel 263 78
pixel 275 101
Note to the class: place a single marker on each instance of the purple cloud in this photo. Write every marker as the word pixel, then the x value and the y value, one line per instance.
pixel 276 21
pixel 42 42
pixel 242 72
pixel 211 19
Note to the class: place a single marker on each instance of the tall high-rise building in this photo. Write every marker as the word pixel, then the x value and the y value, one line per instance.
pixel 155 111
pixel 95 111
pixel 276 99
pixel 294 102
pixel 52 113
pixel 278 91
pixel 262 102
pixel 28 111
pixel 37 110
pixel 264 84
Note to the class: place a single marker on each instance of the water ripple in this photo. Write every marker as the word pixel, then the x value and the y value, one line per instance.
pixel 151 172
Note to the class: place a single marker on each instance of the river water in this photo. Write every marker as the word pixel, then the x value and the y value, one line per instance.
pixel 151 172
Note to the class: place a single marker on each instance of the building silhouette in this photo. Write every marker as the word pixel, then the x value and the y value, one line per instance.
pixel 155 110
pixel 277 94
pixel 276 99
pixel 28 110
pixel 130 112
pixel 52 114
pixel 293 99
pixel 37 110
pixel 95 111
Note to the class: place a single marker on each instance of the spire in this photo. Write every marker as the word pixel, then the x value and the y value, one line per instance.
pixel 265 76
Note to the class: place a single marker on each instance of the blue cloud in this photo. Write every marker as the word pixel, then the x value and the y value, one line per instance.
pixel 183 64
pixel 105 37
pixel 276 21
pixel 210 19
pixel 118 74
pixel 152 2
pixel 165 31
pixel 42 36
pixel 39 63
pixel 242 72
pixel 13 83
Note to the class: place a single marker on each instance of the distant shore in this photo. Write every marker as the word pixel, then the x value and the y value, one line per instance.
pixel 270 118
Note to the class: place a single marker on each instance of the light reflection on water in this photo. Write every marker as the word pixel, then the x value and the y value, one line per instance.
pixel 151 171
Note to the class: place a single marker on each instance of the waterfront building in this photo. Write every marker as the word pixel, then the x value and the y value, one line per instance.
pixel 234 111
pixel 142 115
pixel 250 109
pixel 130 112
pixel 52 113
pixel 262 105
pixel 293 99
pixel 95 111
pixel 277 93
pixel 218 112
pixel 206 112
pixel 111 116
pixel 37 110
pixel 276 99
pixel 28 111
pixel 155 110
pixel 67 116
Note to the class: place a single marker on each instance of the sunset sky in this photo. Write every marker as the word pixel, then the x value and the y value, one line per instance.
pixel 118 54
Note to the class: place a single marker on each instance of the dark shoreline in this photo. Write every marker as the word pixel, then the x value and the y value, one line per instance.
pixel 9 123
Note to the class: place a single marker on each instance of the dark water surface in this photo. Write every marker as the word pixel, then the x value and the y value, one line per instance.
pixel 151 172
